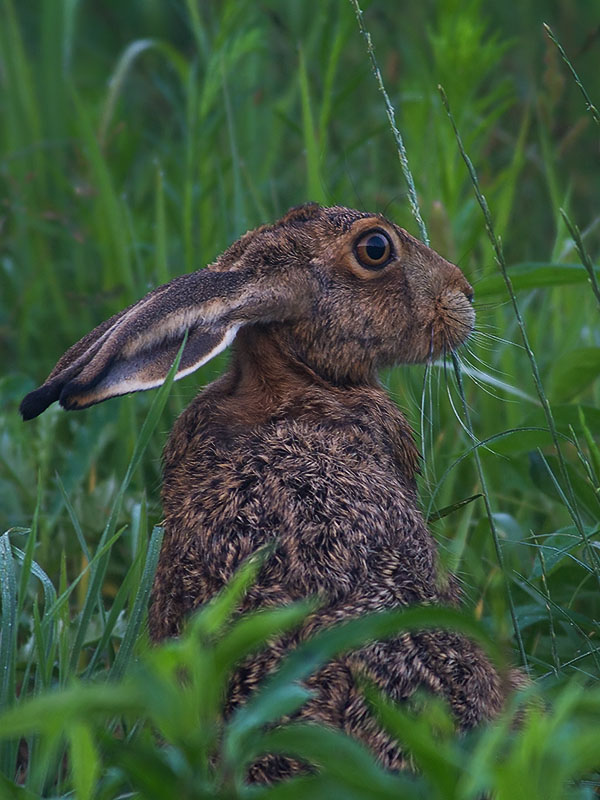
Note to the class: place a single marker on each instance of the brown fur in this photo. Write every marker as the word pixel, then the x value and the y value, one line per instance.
pixel 297 443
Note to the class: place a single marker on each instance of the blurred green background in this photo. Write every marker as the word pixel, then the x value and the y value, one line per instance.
pixel 139 139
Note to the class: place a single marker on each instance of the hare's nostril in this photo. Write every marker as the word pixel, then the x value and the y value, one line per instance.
pixel 470 296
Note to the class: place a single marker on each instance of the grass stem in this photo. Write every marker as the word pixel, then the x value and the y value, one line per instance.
pixel 391 115
pixel 499 255
pixel 490 515
pixel 588 103
pixel 583 254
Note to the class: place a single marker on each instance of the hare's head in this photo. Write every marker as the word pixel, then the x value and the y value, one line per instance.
pixel 341 291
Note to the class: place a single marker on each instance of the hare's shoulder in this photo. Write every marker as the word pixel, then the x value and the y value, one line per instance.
pixel 353 429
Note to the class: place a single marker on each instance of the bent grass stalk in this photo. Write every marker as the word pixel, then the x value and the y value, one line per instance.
pixel 499 257
pixel 414 204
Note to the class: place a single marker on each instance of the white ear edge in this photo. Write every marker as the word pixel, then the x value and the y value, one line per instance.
pixel 130 384
pixel 230 335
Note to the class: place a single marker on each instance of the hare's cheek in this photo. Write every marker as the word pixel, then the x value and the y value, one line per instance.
pixel 418 344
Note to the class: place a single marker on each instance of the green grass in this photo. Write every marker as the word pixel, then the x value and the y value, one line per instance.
pixel 137 141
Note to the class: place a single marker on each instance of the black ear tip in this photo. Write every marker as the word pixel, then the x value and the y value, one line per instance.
pixel 37 401
pixel 70 397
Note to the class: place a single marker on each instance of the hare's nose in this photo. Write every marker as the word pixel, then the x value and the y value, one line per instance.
pixel 459 283
pixel 465 287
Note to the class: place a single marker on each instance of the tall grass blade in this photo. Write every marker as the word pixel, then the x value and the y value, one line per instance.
pixel 93 601
pixel 115 84
pixel 239 198
pixel 151 421
pixel 68 35
pixel 108 211
pixel 8 645
pixel 74 519
pixel 314 183
pixel 160 229
pixel 139 607
pixel 38 572
pixel 126 589
pixel 27 562
pixel 98 566
pixel 534 276
pixel 499 255
pixel 85 761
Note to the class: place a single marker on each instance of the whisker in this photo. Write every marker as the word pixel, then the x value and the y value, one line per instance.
pixel 487 366
pixel 471 436
pixel 479 325
pixel 481 307
pixel 488 347
pixel 437 403
pixel 472 372
pixel 426 421
pixel 422 416
pixel 498 339
pixel 458 417
pixel 484 380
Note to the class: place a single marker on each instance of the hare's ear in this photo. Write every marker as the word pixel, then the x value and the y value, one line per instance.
pixel 135 349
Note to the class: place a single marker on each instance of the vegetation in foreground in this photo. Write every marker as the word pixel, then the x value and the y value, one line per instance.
pixel 137 142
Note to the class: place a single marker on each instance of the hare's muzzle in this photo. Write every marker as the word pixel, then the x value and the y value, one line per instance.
pixel 454 317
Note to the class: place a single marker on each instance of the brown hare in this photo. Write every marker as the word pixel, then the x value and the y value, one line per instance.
pixel 298 442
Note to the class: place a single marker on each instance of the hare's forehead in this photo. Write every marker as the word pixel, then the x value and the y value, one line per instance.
pixel 343 219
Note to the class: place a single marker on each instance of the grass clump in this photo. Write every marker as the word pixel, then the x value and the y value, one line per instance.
pixel 159 731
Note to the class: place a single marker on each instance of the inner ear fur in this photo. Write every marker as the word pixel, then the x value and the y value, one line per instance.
pixel 134 350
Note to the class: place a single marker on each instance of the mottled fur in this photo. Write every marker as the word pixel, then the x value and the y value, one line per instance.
pixel 297 443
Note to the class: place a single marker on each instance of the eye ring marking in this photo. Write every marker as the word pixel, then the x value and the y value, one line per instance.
pixel 373 249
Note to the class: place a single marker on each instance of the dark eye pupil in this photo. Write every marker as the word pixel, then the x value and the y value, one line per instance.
pixel 373 250
pixel 376 247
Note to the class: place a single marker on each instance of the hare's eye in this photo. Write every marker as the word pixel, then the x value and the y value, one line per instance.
pixel 373 250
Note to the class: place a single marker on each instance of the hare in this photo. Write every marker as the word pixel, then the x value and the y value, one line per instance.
pixel 299 443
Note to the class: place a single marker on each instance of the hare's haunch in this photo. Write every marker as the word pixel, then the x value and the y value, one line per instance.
pixel 298 443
